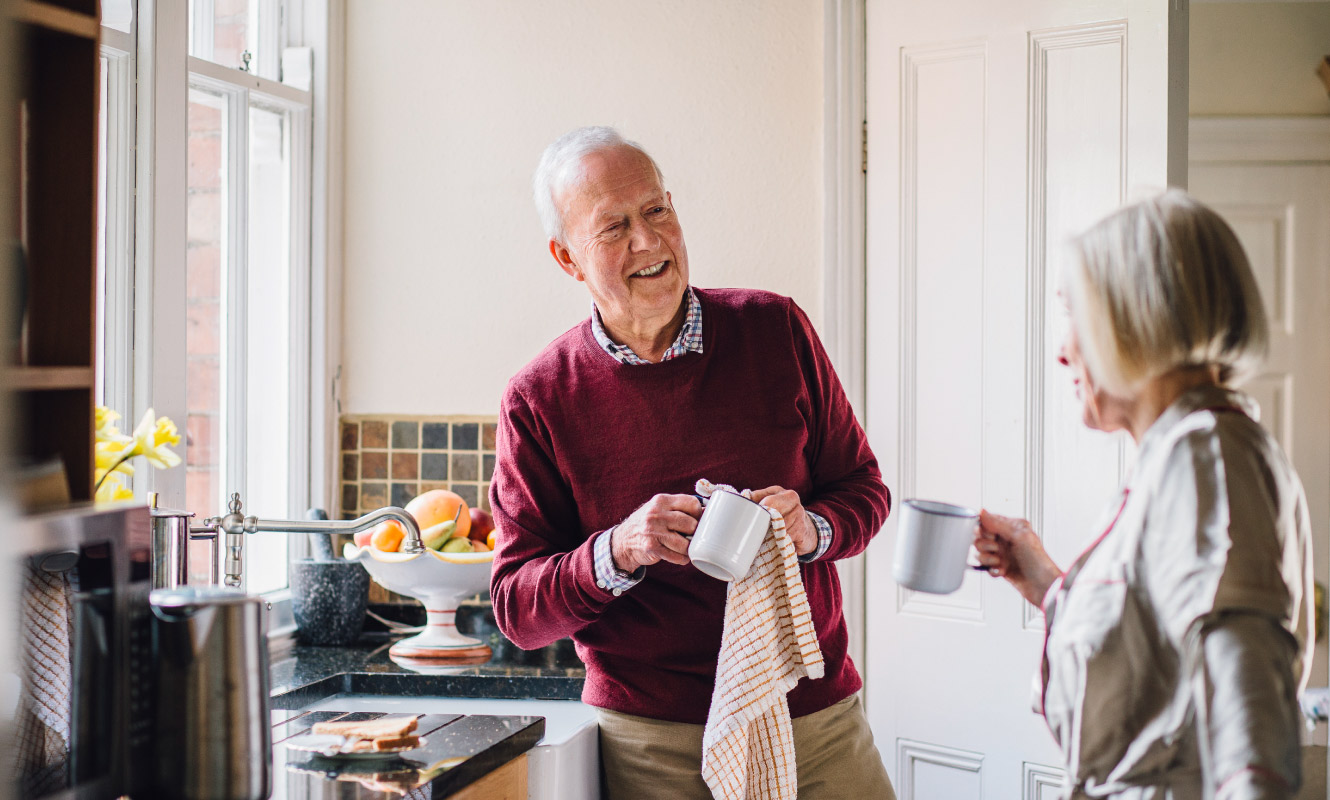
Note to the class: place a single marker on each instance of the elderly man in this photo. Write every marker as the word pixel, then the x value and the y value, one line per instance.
pixel 601 440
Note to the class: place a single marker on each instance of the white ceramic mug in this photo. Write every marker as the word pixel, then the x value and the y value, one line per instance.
pixel 728 536
pixel 933 545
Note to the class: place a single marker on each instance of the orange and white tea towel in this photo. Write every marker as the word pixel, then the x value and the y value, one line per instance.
pixel 768 644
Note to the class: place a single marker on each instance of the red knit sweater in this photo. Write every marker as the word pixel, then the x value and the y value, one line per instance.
pixel 584 440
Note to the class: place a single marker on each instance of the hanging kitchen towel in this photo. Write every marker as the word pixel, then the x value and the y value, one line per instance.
pixel 44 711
pixel 767 645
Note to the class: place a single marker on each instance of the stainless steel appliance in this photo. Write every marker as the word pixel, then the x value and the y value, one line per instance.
pixel 83 722
pixel 214 740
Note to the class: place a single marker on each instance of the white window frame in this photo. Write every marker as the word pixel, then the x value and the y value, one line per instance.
pixel 240 90
pixel 156 376
pixel 117 325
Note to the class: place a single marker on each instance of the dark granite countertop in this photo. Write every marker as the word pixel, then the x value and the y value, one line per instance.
pixel 456 751
pixel 305 675
pixel 459 749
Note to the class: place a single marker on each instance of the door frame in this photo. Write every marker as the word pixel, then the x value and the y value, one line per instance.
pixel 1250 140
pixel 844 220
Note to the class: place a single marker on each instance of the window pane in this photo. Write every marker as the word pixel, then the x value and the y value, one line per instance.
pixel 100 361
pixel 225 31
pixel 268 310
pixel 204 333
pixel 118 14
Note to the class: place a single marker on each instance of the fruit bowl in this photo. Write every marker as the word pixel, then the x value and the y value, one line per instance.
pixel 440 581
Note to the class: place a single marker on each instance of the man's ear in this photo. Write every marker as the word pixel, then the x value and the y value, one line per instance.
pixel 565 260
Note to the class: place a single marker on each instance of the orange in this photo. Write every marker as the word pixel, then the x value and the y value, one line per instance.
pixel 388 536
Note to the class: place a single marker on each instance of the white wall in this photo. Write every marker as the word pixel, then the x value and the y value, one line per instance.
pixel 449 286
pixel 1258 58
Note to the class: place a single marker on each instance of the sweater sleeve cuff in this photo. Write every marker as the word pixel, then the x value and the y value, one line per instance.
pixel 608 577
pixel 823 538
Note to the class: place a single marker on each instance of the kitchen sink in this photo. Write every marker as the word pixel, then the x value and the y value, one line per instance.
pixel 564 764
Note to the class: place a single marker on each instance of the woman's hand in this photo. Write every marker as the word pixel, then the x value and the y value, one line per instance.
pixel 1009 548
pixel 802 531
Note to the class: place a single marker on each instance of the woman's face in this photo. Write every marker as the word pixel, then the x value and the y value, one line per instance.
pixel 1099 410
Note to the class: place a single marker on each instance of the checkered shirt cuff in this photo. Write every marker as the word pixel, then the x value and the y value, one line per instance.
pixel 609 577
pixel 823 537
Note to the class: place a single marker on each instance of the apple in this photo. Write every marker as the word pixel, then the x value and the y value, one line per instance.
pixel 361 538
pixel 481 525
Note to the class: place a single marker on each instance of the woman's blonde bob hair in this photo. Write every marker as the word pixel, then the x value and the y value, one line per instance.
pixel 1159 285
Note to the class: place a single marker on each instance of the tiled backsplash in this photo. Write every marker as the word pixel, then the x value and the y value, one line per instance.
pixel 387 460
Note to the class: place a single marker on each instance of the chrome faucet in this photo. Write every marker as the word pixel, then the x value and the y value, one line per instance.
pixel 234 525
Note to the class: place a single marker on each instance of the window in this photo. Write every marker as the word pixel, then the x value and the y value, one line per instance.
pixel 244 364
pixel 115 221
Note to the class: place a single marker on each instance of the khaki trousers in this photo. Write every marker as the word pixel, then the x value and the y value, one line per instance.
pixel 643 758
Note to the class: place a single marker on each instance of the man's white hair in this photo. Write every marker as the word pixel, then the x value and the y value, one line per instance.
pixel 561 165
pixel 1162 284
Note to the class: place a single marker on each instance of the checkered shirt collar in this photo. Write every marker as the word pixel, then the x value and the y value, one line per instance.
pixel 689 339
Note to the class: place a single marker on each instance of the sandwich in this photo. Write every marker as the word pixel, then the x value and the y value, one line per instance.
pixel 373 735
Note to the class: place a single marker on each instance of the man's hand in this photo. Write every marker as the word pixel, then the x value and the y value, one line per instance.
pixel 655 532
pixel 801 529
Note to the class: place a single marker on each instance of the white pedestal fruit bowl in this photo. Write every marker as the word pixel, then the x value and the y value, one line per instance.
pixel 440 581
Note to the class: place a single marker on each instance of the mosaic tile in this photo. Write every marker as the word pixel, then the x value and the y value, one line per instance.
pixel 467 491
pixel 350 467
pixel 488 433
pixel 373 466
pixel 487 467
pixel 350 497
pixel 485 496
pixel 434 436
pixel 465 467
pixel 466 436
pixel 373 495
pixel 406 435
pixel 374 434
pixel 350 435
pixel 403 493
pixel 434 466
pixel 405 466
pixel 429 486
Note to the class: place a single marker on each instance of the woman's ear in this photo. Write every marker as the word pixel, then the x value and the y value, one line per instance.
pixel 565 260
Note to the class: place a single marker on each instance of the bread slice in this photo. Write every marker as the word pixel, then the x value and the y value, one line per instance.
pixel 396 743
pixel 381 728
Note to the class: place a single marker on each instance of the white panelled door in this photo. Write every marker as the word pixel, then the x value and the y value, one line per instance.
pixel 996 130
pixel 1280 212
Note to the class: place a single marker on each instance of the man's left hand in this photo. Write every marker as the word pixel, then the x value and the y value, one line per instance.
pixel 797 524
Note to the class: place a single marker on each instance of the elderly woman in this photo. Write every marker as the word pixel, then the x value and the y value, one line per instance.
pixel 1178 641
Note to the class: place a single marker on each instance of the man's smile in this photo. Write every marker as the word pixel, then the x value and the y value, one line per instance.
pixel 651 271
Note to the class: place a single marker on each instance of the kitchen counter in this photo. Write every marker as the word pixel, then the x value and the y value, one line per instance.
pixel 460 749
pixel 457 751
pixel 305 675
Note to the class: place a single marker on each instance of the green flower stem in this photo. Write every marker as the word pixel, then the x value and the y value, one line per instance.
pixel 107 474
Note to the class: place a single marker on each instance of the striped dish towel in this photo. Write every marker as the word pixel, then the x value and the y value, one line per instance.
pixel 768 644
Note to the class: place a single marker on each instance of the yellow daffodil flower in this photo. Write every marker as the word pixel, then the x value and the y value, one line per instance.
pixel 105 419
pixel 111 489
pixel 113 456
pixel 152 439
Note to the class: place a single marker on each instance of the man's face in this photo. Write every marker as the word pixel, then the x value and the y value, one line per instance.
pixel 624 240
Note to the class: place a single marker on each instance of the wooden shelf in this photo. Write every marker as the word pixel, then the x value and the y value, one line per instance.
pixel 59 20
pixel 48 132
pixel 47 378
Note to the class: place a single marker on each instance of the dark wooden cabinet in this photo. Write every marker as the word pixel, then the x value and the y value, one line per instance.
pixel 51 143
